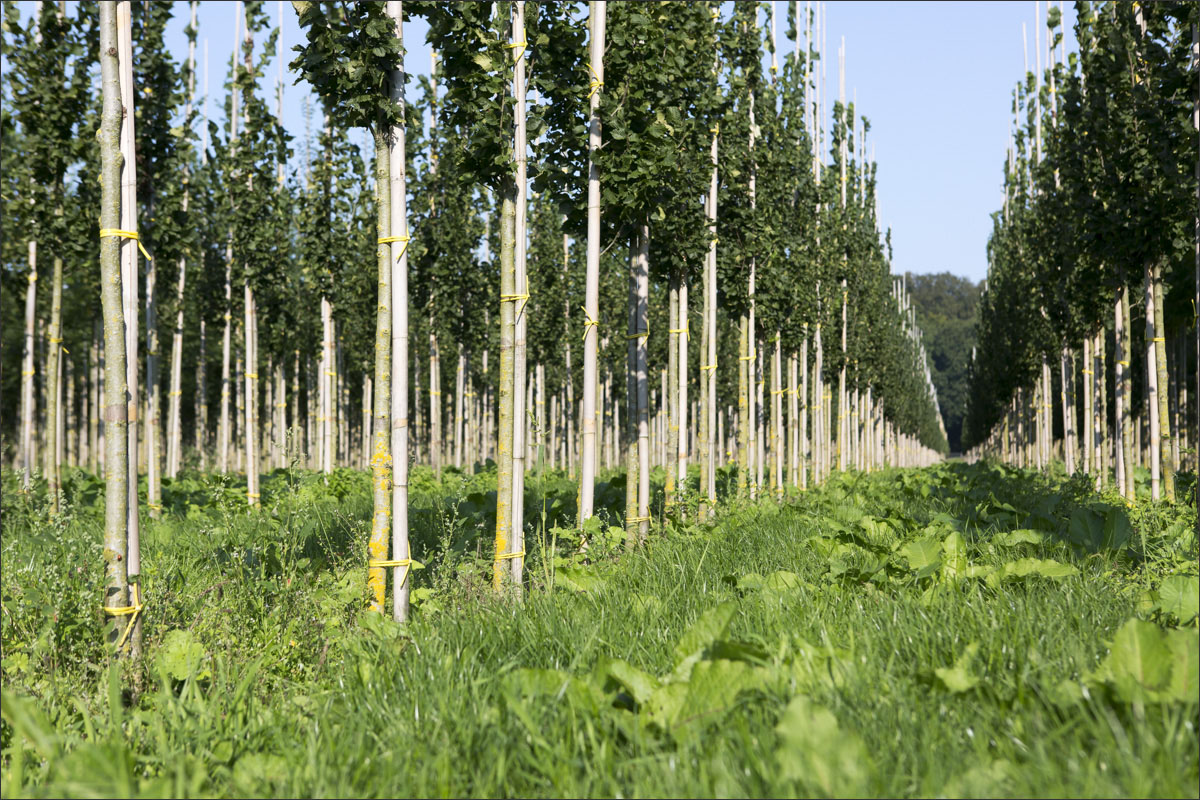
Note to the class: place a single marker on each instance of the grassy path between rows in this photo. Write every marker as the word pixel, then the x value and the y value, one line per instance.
pixel 959 631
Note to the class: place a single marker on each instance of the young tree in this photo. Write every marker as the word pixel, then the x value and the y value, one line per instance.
pixel 350 59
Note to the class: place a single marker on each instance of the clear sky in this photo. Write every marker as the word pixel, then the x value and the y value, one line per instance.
pixel 934 78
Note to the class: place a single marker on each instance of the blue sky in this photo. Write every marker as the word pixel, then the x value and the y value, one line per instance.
pixel 934 78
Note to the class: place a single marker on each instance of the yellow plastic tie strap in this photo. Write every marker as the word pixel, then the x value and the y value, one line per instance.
pixel 390 239
pixel 255 495
pixel 154 506
pixel 509 556
pixel 643 335
pixel 520 47
pixel 251 375
pixel 120 234
pixel 1123 363
pixel 631 520
pixel 132 610
pixel 595 84
pixel 383 563
pixel 588 322
pixel 27 372
pixel 707 366
pixel 1088 372
pixel 32 277
pixel 516 298
pixel 1158 339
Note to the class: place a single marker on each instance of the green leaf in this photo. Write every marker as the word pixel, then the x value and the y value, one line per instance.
pixel 640 685
pixel 1047 568
pixel 954 550
pixel 1138 662
pixel 1018 537
pixel 181 656
pixel 1185 665
pixel 923 555
pixel 579 579
pixel 816 754
pixel 711 626
pixel 1179 596
pixel 959 678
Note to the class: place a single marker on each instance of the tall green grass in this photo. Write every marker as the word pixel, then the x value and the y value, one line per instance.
pixel 784 650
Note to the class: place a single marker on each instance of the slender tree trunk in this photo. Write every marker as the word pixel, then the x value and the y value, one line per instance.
pixel 1066 397
pixel 115 401
pixel 328 374
pixel 251 393
pixel 791 392
pixel 201 410
pixel 459 404
pixel 1122 399
pixel 153 397
pixel 631 394
pixel 129 282
pixel 54 410
pixel 381 456
pixel 681 375
pixel 521 289
pixel 1124 377
pixel 506 388
pixel 175 393
pixel 435 405
pixel 69 434
pixel 708 371
pixel 1160 351
pixel 95 399
pixel 1151 402
pixel 805 451
pixel 643 407
pixel 1102 416
pixel 27 370
pixel 745 371
pixel 670 396
pixel 777 418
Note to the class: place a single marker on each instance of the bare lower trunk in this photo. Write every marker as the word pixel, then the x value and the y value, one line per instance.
pixel 521 287
pixel 398 259
pixel 114 404
pixel 381 456
pixel 54 410
pixel 27 370
pixel 1160 352
pixel 1151 402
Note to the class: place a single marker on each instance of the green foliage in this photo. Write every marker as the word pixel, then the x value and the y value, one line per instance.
pixel 1110 193
pixel 348 56
pixel 946 313
pixel 266 669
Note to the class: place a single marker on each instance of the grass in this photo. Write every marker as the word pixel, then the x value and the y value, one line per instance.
pixel 865 638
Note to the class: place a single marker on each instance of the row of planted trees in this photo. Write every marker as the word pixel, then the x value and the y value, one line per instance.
pixel 1088 341
pixel 604 237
